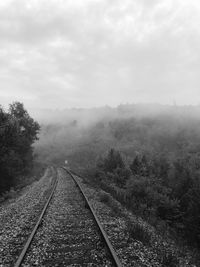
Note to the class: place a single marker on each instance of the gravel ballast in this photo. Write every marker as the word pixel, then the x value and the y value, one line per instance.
pixel 18 217
pixel 131 251
pixel 68 235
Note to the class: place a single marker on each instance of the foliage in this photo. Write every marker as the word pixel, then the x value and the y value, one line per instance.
pixel 139 232
pixel 18 131
pixel 148 160
pixel 157 189
pixel 113 161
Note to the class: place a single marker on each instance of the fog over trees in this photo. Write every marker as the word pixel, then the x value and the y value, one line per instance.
pixel 109 89
pixel 130 128
pixel 146 156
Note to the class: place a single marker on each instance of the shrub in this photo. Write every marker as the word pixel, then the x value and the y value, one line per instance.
pixel 139 232
pixel 104 197
pixel 169 259
pixel 112 203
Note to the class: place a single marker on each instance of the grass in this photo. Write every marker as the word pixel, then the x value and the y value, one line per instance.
pixel 136 230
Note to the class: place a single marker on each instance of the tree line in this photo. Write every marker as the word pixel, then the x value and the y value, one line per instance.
pixel 157 171
pixel 18 131
pixel 162 190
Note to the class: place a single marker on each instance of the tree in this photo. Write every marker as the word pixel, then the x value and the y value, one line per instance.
pixel 18 131
pixel 113 161
pixel 27 130
pixel 135 165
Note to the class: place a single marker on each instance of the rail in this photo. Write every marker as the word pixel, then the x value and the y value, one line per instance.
pixel 103 233
pixel 31 236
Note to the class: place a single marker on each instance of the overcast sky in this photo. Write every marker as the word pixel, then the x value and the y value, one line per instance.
pixel 84 53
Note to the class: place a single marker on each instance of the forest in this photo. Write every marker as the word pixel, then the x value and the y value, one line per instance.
pixel 18 132
pixel 148 158
pixel 165 192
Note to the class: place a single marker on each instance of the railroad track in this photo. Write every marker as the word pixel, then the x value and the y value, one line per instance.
pixel 31 236
pixel 68 232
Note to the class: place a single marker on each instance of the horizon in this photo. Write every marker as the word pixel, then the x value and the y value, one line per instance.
pixel 129 110
pixel 37 111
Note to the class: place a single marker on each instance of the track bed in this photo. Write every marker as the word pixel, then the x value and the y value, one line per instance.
pixel 18 217
pixel 68 235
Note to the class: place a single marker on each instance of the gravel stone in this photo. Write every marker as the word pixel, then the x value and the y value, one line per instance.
pixel 130 252
pixel 18 217
pixel 68 235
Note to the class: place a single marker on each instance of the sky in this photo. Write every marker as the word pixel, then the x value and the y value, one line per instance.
pixel 60 54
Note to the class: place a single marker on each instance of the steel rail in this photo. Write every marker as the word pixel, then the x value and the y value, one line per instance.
pixel 31 236
pixel 103 233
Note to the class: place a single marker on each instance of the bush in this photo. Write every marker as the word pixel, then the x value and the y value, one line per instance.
pixel 104 197
pixel 169 258
pixel 139 232
pixel 112 203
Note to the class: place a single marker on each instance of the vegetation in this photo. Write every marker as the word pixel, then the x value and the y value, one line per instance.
pixel 163 191
pixel 18 131
pixel 146 158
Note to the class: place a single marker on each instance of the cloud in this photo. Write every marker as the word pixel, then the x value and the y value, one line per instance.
pixel 61 53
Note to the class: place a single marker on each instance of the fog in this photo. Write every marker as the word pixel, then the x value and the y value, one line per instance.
pixel 81 135
pixel 88 116
pixel 86 69
pixel 109 89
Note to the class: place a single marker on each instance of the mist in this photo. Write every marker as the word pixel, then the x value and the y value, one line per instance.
pixel 107 93
pixel 87 116
pixel 84 134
